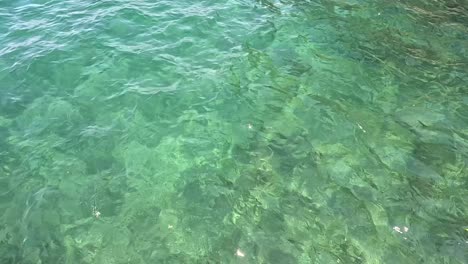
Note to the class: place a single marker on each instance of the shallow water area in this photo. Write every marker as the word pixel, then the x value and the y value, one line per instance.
pixel 235 131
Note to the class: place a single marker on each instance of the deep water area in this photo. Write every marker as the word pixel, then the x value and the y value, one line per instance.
pixel 233 131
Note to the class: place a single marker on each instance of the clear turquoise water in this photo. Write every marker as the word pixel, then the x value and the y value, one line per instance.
pixel 235 131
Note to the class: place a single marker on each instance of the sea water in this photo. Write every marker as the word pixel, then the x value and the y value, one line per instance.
pixel 233 131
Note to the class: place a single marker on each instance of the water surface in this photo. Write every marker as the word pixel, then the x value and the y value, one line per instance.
pixel 235 131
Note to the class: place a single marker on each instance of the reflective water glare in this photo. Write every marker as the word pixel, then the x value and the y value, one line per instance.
pixel 235 131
